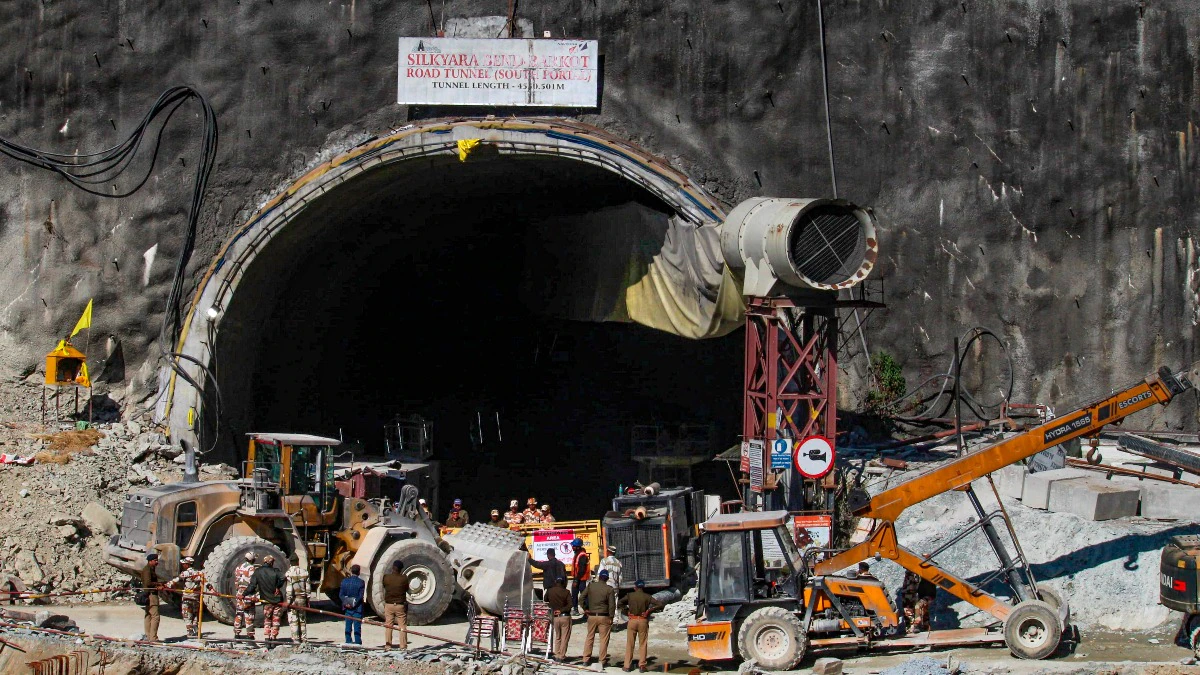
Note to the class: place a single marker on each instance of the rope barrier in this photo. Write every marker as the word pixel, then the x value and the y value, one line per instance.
pixel 284 605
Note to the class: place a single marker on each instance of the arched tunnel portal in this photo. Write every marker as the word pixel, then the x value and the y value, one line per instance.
pixel 532 295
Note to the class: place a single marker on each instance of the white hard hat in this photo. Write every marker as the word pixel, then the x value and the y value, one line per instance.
pixel 189 560
pixel 250 556
pixel 513 504
pixel 421 501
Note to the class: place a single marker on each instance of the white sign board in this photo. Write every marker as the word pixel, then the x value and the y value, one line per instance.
pixel 814 457
pixel 500 72
pixel 757 471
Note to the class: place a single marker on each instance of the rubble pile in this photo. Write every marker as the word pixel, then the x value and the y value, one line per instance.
pixel 59 515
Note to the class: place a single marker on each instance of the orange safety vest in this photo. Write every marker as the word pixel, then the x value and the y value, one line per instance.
pixel 575 563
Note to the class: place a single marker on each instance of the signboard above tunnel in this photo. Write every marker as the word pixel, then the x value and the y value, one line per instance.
pixel 501 72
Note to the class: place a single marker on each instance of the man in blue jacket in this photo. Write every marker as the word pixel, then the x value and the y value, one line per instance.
pixel 351 594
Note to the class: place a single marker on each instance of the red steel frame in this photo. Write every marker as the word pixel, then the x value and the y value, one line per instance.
pixel 791 366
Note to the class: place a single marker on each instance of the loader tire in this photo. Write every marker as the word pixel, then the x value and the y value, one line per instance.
pixel 1033 631
pixel 219 567
pixel 774 638
pixel 431 580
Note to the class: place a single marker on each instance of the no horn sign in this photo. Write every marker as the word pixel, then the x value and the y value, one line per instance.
pixel 814 457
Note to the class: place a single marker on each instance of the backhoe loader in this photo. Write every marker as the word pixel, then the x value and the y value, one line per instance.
pixel 760 599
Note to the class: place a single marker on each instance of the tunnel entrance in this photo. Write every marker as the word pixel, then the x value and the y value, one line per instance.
pixel 479 294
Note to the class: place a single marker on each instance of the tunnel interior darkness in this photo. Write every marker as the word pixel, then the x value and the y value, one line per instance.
pixel 469 292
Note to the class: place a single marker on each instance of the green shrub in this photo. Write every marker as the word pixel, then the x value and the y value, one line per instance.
pixel 888 385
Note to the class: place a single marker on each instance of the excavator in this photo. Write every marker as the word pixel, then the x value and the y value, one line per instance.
pixel 760 599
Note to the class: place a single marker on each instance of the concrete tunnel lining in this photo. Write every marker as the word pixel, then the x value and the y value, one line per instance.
pixel 556 141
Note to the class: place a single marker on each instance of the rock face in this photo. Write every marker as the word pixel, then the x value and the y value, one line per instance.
pixel 1033 165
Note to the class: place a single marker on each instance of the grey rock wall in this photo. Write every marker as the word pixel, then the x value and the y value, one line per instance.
pixel 1033 164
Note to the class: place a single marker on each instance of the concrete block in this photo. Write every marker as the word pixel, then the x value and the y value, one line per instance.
pixel 1165 501
pixel 1094 498
pixel 1010 480
pixel 1037 485
pixel 827 666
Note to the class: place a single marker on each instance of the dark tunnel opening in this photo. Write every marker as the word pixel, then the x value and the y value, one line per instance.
pixel 473 293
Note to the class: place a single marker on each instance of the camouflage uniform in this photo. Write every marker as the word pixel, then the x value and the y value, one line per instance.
pixel 531 515
pixel 243 607
pixel 189 581
pixel 513 518
pixel 296 594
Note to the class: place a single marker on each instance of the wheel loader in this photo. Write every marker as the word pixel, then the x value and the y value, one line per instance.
pixel 760 599
pixel 286 504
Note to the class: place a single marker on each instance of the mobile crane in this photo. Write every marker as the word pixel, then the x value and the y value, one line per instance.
pixel 758 592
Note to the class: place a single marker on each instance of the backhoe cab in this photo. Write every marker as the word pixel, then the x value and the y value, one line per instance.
pixel 757 601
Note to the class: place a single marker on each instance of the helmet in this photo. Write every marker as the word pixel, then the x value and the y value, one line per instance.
pixel 150 557
pixel 249 556
pixel 532 501
pixel 188 560
pixel 512 504
pixel 546 508
pixel 603 574
pixel 576 543
pixel 421 500
pixel 495 512
pixel 458 502
pixel 639 584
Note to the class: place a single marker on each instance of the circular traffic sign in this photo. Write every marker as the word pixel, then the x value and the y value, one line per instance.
pixel 813 457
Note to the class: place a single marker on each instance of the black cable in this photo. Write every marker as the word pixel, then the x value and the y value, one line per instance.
pixel 85 170
pixel 936 407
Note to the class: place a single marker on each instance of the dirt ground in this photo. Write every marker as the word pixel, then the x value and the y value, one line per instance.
pixel 1098 652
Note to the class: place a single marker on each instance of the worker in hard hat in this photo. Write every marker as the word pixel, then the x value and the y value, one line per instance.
pixel 612 564
pixel 513 515
pixel 243 616
pixel 640 605
pixel 581 572
pixel 531 513
pixel 458 517
pixel 188 584
pixel 496 520
pixel 547 517
pixel 600 604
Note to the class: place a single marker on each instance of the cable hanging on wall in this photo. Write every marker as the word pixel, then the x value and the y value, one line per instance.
pixel 89 171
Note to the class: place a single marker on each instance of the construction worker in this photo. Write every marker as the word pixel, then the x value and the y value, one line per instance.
pixel 151 587
pixel 916 598
pixel 243 606
pixel 581 572
pixel 552 568
pixel 496 520
pixel 546 516
pixel 188 583
pixel 611 564
pixel 513 516
pixel 296 594
pixel 531 513
pixel 458 515
pixel 351 594
pixel 864 571
pixel 600 604
pixel 639 604
pixel 559 599
pixel 268 583
pixel 395 605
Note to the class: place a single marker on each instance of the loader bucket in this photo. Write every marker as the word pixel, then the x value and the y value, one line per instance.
pixel 490 566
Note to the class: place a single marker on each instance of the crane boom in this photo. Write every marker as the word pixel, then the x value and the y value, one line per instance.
pixel 885 507
pixel 1085 421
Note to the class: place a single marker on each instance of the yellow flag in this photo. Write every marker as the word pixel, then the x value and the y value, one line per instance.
pixel 85 321
pixel 465 146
